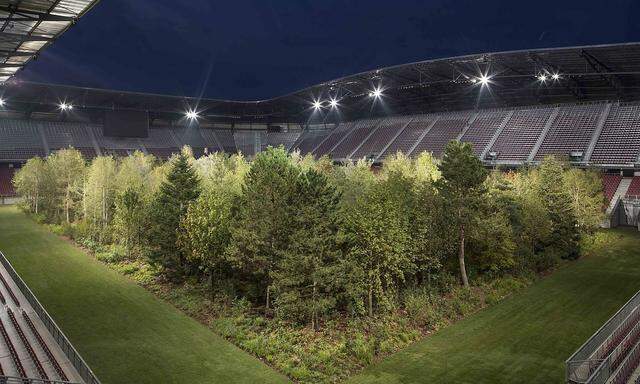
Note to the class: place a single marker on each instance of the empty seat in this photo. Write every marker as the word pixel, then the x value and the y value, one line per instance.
pixel 482 129
pixel 520 134
pixel 619 141
pixel 387 130
pixel 446 128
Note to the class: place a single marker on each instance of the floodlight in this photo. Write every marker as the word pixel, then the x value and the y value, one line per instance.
pixel 317 104
pixel 1 102
pixel 192 114
pixel 333 103
pixel 484 79
pixel 555 76
pixel 542 77
pixel 65 107
pixel 376 93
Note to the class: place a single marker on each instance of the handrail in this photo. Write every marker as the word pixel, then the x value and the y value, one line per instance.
pixel 579 365
pixel 74 357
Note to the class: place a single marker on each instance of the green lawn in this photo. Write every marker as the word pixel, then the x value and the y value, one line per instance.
pixel 526 338
pixel 127 335
pixel 123 332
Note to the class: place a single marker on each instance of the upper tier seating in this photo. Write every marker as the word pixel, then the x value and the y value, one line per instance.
pixel 360 131
pixel 619 141
pixel 387 130
pixel 571 130
pixel 520 134
pixel 310 139
pixel 210 140
pixel 409 136
pixel 447 128
pixel 332 139
pixel 61 135
pixel 286 139
pixel 482 129
pixel 20 140
pixel 248 142
pixel 225 137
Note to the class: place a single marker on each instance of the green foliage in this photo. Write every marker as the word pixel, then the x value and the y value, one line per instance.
pixel 171 202
pixel 463 190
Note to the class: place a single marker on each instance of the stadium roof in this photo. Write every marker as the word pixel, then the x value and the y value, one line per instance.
pixel 28 26
pixel 487 80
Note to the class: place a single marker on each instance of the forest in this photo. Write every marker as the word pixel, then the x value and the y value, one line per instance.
pixel 298 244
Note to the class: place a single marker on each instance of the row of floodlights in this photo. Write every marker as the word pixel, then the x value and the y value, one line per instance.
pixel 375 93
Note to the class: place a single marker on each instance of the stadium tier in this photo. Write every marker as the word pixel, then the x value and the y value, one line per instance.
pixel 605 135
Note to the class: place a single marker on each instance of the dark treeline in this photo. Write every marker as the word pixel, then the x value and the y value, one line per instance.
pixel 305 240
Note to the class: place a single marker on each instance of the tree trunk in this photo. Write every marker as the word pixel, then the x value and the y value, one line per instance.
pixel 463 270
pixel 314 316
pixel 267 303
pixel 370 299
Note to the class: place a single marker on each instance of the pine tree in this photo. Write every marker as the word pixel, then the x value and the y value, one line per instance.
pixel 180 188
pixel 262 220
pixel 463 191
pixel 306 278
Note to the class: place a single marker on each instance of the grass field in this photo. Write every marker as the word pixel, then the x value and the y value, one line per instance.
pixel 123 332
pixel 126 334
pixel 526 338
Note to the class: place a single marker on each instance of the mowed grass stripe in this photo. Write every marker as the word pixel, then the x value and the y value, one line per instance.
pixel 123 332
pixel 527 337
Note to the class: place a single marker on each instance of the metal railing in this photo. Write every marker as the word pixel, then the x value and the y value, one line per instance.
pixel 617 358
pixel 582 365
pixel 22 380
pixel 74 357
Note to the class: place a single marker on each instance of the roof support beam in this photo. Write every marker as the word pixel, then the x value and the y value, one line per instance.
pixel 604 71
pixel 14 37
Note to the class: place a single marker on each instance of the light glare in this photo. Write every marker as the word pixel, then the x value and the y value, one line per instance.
pixel 542 77
pixel 333 103
pixel 1 102
pixel 376 93
pixel 192 115
pixel 65 107
pixel 555 76
pixel 483 79
pixel 317 104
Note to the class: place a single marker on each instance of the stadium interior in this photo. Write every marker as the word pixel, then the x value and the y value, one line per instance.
pixel 515 108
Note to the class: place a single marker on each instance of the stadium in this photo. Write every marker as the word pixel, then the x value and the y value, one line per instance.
pixel 99 283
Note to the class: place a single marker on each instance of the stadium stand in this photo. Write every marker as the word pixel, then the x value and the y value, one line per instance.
pixel 570 131
pixel 248 142
pixel 6 175
pixel 161 143
pixel 634 187
pixel 482 129
pixel 116 146
pixel 619 141
pixel 211 140
pixel 410 135
pixel 286 139
pixel 612 354
pixel 227 141
pixel 61 135
pixel 387 131
pixel 446 128
pixel 333 139
pixel 310 139
pixel 20 140
pixel 519 136
pixel 360 132
pixel 610 185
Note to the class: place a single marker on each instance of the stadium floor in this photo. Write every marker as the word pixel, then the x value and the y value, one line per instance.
pixel 126 334
pixel 527 337
pixel 123 332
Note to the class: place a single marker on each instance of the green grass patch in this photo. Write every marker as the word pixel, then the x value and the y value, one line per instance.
pixel 528 336
pixel 123 332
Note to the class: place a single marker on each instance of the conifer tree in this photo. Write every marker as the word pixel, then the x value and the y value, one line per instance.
pixel 180 188
pixel 307 275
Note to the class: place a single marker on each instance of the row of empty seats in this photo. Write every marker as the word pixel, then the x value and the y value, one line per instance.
pixel 606 134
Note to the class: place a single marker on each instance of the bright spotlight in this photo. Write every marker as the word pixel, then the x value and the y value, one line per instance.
pixel 542 77
pixel 376 93
pixel 333 103
pixel 65 107
pixel 192 114
pixel 317 105
pixel 1 102
pixel 484 79
pixel 555 76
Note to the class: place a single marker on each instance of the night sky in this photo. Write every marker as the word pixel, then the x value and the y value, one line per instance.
pixel 256 49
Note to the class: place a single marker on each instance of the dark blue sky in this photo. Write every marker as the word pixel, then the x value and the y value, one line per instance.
pixel 254 49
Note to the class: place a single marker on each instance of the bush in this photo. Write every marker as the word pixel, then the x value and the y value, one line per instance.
pixel 112 254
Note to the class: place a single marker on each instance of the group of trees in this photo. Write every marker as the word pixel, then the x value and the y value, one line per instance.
pixel 305 239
